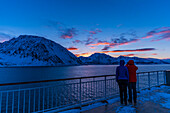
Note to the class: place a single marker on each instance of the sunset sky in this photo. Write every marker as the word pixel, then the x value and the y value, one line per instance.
pixel 116 27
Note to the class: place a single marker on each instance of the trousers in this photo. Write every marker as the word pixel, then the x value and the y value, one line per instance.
pixel 123 90
pixel 132 86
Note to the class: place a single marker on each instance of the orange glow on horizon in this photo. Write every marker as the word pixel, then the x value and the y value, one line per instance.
pixel 130 55
pixel 84 54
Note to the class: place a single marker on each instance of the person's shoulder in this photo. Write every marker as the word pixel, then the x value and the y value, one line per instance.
pixel 136 67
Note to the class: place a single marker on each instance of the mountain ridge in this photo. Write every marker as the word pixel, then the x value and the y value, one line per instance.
pixel 29 50
pixel 115 60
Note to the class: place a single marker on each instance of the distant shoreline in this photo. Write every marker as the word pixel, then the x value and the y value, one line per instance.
pixel 68 65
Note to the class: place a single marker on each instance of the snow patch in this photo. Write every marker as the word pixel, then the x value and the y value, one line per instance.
pixel 166 99
pixel 162 98
pixel 126 109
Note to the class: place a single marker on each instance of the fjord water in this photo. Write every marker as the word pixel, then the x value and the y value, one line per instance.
pixel 23 74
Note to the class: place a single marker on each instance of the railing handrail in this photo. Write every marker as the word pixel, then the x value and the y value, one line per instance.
pixel 55 80
pixel 150 71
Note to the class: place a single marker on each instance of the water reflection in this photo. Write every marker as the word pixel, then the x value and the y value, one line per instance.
pixel 24 74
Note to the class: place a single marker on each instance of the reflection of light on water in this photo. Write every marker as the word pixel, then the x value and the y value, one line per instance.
pixel 47 73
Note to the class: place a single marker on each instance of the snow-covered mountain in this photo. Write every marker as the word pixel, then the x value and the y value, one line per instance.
pixel 166 60
pixel 28 50
pixel 98 58
pixel 101 58
pixel 138 60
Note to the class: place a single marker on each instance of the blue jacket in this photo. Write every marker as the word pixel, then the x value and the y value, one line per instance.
pixel 122 72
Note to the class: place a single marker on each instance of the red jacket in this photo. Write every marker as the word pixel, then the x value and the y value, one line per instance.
pixel 132 71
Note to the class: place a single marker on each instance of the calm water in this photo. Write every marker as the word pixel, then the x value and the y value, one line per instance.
pixel 46 73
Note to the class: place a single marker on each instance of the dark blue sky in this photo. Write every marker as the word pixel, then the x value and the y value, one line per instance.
pixel 88 26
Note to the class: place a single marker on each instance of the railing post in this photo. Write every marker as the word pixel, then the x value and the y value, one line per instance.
pixel 80 94
pixel 34 99
pixel 29 101
pixel 52 97
pixel 39 100
pixel 7 102
pixel 43 98
pixel 94 88
pixel 158 78
pixel 138 82
pixel 12 102
pixel 18 99
pixel 105 87
pixel 165 72
pixel 24 103
pixel 0 101
pixel 149 80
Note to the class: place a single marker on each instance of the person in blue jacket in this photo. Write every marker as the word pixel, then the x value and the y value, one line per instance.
pixel 122 77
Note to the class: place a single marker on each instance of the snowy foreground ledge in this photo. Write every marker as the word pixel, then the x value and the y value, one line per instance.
pixel 155 100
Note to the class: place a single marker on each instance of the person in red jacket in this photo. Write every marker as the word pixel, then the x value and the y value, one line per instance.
pixel 132 80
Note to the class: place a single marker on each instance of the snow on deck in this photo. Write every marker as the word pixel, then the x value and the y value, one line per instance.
pixel 155 100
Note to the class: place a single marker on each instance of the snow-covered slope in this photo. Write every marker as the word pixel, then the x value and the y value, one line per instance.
pixel 166 60
pixel 28 50
pixel 101 58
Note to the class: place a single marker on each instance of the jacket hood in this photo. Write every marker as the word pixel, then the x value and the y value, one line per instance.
pixel 122 62
pixel 131 62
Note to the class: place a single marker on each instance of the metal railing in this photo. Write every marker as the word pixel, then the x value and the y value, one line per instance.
pixel 149 79
pixel 60 94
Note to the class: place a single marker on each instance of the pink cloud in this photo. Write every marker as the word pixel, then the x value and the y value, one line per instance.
pixel 154 54
pixel 77 41
pixel 68 33
pixel 92 47
pixel 127 42
pixel 93 32
pixel 99 43
pixel 165 36
pixel 161 33
pixel 132 50
pixel 72 48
